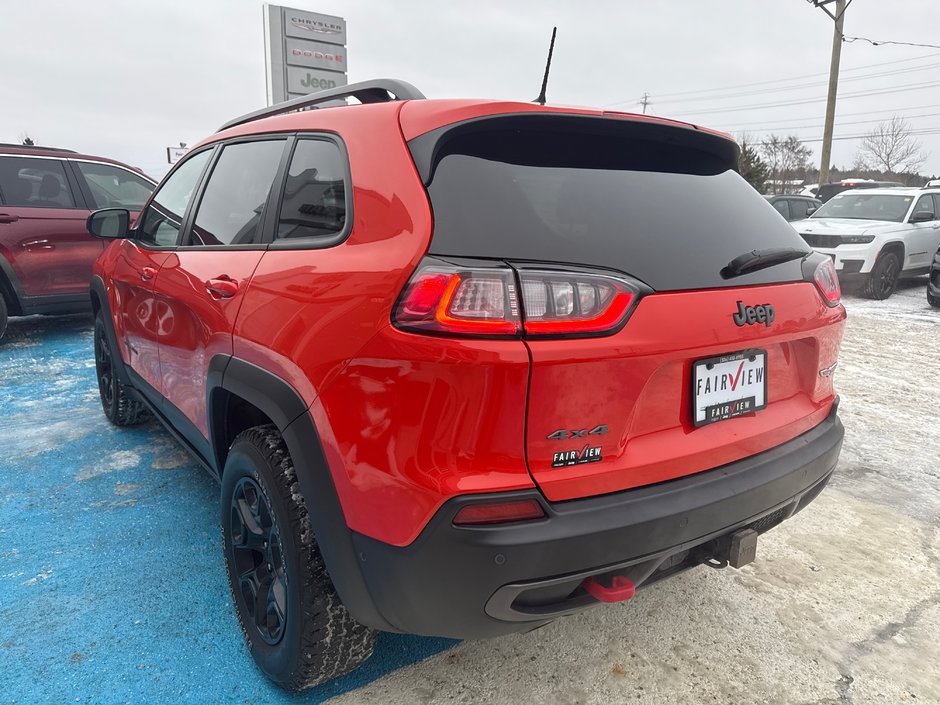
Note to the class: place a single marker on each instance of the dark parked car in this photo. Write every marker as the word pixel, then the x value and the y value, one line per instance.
pixel 794 207
pixel 462 366
pixel 827 191
pixel 933 283
pixel 46 253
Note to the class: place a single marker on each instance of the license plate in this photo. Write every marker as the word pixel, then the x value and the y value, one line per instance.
pixel 728 386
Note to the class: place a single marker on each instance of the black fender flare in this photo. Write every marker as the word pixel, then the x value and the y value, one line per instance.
pixel 281 403
pixel 98 294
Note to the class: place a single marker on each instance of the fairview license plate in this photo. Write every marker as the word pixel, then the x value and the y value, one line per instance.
pixel 728 386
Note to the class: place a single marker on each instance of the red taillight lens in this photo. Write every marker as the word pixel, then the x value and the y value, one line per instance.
pixel 484 302
pixel 563 303
pixel 463 301
pixel 499 512
pixel 827 281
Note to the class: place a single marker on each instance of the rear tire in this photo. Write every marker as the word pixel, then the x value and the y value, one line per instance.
pixel 120 405
pixel 297 629
pixel 883 279
pixel 3 316
pixel 933 300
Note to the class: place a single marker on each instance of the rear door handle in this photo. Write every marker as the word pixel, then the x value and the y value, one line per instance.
pixel 147 273
pixel 7 218
pixel 222 287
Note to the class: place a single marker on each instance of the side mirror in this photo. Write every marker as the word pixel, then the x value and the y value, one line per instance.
pixel 111 223
pixel 810 211
pixel 923 217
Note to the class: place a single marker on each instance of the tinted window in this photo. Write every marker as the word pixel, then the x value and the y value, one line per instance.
pixel 114 187
pixel 924 205
pixel 233 201
pixel 866 206
pixel 314 203
pixel 782 209
pixel 798 208
pixel 668 214
pixel 34 183
pixel 160 223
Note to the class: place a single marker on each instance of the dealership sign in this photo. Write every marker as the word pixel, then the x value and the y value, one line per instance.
pixel 305 52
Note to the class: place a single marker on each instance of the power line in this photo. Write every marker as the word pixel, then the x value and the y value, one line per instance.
pixel 861 112
pixel 808 101
pixel 781 80
pixel 880 42
pixel 841 123
pixel 801 86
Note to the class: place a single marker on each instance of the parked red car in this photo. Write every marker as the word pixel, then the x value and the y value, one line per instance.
pixel 46 253
pixel 463 367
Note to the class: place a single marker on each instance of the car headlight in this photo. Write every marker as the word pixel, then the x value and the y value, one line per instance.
pixel 857 239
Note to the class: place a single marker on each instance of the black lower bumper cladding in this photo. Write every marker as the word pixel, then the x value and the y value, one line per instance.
pixel 484 581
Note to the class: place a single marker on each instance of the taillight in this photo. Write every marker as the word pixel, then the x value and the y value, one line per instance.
pixel 499 512
pixel 827 281
pixel 484 301
pixel 468 301
pixel 572 303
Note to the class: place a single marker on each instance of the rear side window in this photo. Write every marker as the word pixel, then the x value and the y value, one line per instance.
pixel 160 224
pixel 314 201
pixel 657 203
pixel 114 187
pixel 34 183
pixel 233 201
pixel 782 208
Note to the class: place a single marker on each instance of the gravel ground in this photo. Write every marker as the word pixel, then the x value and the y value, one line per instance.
pixel 112 588
pixel 841 606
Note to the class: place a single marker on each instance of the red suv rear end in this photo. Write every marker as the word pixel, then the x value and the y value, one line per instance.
pixel 506 361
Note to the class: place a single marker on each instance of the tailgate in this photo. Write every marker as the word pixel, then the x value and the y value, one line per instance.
pixel 620 409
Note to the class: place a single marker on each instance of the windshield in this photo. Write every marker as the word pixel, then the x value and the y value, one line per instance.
pixel 865 206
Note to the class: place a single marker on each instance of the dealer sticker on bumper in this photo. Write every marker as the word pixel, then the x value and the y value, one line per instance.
pixel 728 386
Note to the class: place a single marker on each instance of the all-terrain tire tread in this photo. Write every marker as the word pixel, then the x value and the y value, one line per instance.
pixel 332 642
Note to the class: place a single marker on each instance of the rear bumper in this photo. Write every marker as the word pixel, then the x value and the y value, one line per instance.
pixel 485 581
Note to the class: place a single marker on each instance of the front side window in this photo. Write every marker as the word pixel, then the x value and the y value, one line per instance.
pixel 114 187
pixel 866 206
pixel 314 203
pixel 924 205
pixel 782 208
pixel 233 202
pixel 34 183
pixel 798 208
pixel 161 222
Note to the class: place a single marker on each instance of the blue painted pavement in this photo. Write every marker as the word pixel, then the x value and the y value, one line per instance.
pixel 112 588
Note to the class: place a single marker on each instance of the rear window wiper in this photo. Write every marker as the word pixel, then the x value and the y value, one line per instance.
pixel 761 259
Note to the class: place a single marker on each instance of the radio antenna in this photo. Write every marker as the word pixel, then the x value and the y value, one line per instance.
pixel 548 66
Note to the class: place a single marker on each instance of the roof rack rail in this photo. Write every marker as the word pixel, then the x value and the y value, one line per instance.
pixel 37 146
pixel 379 90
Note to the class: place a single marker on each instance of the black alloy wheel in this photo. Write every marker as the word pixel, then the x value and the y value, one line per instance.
pixel 258 558
pixel 884 277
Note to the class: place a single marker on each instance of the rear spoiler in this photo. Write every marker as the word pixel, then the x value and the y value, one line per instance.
pixel 645 145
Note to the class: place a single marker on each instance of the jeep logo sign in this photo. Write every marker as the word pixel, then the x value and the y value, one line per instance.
pixel 749 315
pixel 305 52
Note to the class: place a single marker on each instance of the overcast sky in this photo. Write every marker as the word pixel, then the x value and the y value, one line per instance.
pixel 128 79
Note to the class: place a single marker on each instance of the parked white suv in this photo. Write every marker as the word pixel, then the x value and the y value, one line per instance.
pixel 877 235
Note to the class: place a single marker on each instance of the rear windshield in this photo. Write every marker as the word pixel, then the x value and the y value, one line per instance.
pixel 667 214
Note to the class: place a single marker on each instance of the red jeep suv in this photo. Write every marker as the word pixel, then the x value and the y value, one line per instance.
pixel 463 367
pixel 46 253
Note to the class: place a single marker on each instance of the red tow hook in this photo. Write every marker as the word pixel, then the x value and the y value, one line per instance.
pixel 620 590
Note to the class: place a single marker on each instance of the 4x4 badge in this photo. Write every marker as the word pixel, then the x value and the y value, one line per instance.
pixel 749 315
pixel 563 435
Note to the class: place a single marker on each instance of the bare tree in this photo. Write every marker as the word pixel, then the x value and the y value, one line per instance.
pixel 26 140
pixel 786 157
pixel 891 147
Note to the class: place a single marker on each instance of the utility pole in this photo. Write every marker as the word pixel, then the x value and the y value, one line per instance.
pixel 838 19
pixel 645 102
